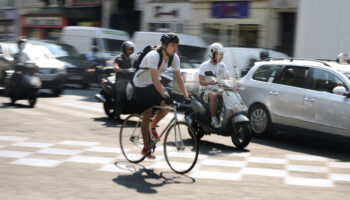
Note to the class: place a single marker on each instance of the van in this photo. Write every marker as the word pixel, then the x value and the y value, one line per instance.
pixel 192 47
pixel 238 59
pixel 84 39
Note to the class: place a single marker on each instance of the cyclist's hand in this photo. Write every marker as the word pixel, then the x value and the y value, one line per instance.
pixel 212 82
pixel 167 100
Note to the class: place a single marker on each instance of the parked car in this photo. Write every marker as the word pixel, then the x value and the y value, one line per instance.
pixel 7 52
pixel 308 94
pixel 78 70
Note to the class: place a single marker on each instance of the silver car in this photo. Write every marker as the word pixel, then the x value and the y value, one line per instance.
pixel 307 94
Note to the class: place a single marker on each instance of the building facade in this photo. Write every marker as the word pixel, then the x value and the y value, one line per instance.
pixel 249 23
pixel 8 20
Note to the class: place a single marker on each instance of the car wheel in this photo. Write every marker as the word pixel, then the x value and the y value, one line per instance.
pixel 32 102
pixel 57 92
pixel 260 121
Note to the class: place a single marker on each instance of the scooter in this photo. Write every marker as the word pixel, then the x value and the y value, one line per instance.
pixel 231 112
pixel 23 82
pixel 108 92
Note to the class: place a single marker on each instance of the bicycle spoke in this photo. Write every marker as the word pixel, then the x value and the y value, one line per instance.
pixel 130 138
pixel 180 148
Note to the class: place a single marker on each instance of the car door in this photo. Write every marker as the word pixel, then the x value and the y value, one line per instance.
pixel 323 110
pixel 286 96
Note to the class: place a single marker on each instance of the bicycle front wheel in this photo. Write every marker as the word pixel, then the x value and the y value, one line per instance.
pixel 180 148
pixel 130 139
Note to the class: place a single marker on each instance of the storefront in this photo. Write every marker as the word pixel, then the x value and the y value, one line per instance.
pixel 167 17
pixel 8 24
pixel 42 27
pixel 233 23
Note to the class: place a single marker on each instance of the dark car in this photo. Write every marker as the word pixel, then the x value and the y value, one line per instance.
pixel 78 70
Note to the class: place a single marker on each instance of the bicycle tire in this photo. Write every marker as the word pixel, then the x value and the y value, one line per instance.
pixel 130 139
pixel 187 144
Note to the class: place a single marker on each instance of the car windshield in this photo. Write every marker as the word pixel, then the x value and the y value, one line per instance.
pixel 194 54
pixel 61 50
pixel 36 52
pixel 112 45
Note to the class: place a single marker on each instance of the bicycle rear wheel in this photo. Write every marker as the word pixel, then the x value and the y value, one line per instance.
pixel 130 139
pixel 180 148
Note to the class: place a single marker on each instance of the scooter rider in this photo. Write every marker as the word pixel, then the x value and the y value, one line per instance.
pixel 148 89
pixel 121 63
pixel 208 86
pixel 21 57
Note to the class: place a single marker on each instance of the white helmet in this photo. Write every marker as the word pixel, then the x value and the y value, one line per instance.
pixel 216 47
pixel 343 58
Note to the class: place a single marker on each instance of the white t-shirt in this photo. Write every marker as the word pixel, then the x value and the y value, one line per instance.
pixel 143 78
pixel 219 70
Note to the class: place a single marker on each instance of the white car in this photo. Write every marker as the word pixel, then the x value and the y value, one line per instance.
pixel 307 94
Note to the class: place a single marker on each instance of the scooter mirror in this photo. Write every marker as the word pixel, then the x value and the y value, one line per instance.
pixel 209 73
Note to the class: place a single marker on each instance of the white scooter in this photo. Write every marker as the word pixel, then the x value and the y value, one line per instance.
pixel 230 110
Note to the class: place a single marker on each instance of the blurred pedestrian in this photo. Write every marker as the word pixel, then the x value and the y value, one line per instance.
pixel 21 57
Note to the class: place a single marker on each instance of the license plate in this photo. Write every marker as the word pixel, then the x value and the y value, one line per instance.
pixel 76 77
pixel 45 71
pixel 46 78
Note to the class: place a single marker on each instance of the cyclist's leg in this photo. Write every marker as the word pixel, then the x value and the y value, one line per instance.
pixel 160 114
pixel 147 114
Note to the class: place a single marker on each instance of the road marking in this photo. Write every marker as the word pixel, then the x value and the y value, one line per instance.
pixel 90 159
pixel 71 112
pixel 345 165
pixel 305 168
pixel 32 144
pixel 14 154
pixel 216 175
pixel 340 177
pixel 305 157
pixel 79 143
pixel 13 138
pixel 112 168
pixel 84 107
pixel 104 149
pixel 55 151
pixel 267 160
pixel 223 163
pixel 264 172
pixel 36 162
pixel 308 182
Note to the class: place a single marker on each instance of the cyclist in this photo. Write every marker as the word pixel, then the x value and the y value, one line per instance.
pixel 208 86
pixel 121 63
pixel 148 89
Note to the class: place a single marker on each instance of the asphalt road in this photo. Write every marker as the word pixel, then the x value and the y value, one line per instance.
pixel 66 148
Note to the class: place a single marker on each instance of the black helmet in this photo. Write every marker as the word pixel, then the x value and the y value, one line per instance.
pixel 264 54
pixel 21 40
pixel 169 38
pixel 127 45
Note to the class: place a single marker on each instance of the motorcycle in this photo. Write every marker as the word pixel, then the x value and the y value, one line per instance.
pixel 23 82
pixel 108 93
pixel 231 112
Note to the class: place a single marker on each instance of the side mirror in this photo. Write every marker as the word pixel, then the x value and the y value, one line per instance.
pixel 340 90
pixel 209 73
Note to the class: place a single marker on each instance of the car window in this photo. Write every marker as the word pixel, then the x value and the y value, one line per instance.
pixel 1 52
pixel 325 81
pixel 13 48
pixel 112 45
pixel 265 72
pixel 294 76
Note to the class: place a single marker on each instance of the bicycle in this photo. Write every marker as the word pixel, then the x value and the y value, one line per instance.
pixel 180 145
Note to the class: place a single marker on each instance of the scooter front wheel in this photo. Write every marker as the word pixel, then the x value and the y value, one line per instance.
pixel 32 102
pixel 241 134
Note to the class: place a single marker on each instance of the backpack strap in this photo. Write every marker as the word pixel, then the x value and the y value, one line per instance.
pixel 160 57
pixel 170 61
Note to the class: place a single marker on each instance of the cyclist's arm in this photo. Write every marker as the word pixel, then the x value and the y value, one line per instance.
pixel 156 82
pixel 117 68
pixel 180 83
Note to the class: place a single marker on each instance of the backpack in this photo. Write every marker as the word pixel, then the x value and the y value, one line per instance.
pixel 144 52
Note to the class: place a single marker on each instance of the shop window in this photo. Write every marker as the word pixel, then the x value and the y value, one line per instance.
pixel 248 35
